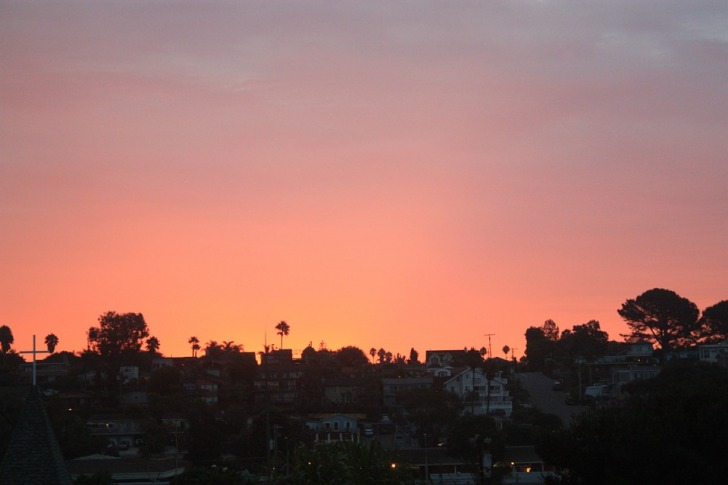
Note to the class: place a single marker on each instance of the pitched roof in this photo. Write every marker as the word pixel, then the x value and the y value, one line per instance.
pixel 33 455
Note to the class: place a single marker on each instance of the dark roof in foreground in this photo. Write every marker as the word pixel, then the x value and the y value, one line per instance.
pixel 33 455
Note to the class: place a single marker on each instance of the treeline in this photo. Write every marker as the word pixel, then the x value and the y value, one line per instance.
pixel 670 430
pixel 661 317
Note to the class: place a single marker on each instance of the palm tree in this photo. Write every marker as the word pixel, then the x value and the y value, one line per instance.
pixel 213 349
pixel 506 349
pixel 373 353
pixel 231 347
pixel 51 342
pixel 195 342
pixel 283 329
pixel 6 338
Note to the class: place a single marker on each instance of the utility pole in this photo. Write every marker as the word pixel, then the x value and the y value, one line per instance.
pixel 490 348
pixel 427 468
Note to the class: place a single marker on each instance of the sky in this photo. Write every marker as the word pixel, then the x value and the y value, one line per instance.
pixel 397 175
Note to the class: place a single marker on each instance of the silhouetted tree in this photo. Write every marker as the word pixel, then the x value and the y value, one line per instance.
pixel 541 344
pixel 195 343
pixel 537 348
pixel 506 349
pixel 550 330
pixel 213 350
pixel 382 355
pixel 51 342
pixel 373 353
pixel 714 322
pixel 152 345
pixel 6 338
pixel 351 356
pixel 10 363
pixel 118 334
pixel 587 340
pixel 283 329
pixel 308 354
pixel 414 357
pixel 663 317
pixel 230 347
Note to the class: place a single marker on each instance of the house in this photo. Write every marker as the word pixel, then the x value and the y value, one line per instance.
pixel 334 427
pixel 640 352
pixel 623 375
pixel 436 465
pixel 526 466
pixel 128 373
pixel 716 353
pixel 121 432
pixel 443 358
pixel 342 391
pixel 47 371
pixel 160 362
pixel 276 379
pixel 392 387
pixel 75 399
pixel 481 395
pixel 614 371
pixel 204 389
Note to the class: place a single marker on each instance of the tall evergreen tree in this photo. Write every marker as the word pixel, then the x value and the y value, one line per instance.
pixel 662 317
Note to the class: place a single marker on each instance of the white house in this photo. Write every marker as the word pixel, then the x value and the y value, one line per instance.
pixel 334 427
pixel 128 373
pixel 480 395
pixel 713 353
pixel 120 432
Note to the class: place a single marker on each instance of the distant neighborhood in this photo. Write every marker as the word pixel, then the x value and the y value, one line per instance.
pixel 569 411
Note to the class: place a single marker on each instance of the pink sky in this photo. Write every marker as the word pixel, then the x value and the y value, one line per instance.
pixel 378 174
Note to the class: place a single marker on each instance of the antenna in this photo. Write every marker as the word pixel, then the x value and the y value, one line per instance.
pixel 490 349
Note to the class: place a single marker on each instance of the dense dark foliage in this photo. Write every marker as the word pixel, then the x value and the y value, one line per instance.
pixel 670 430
